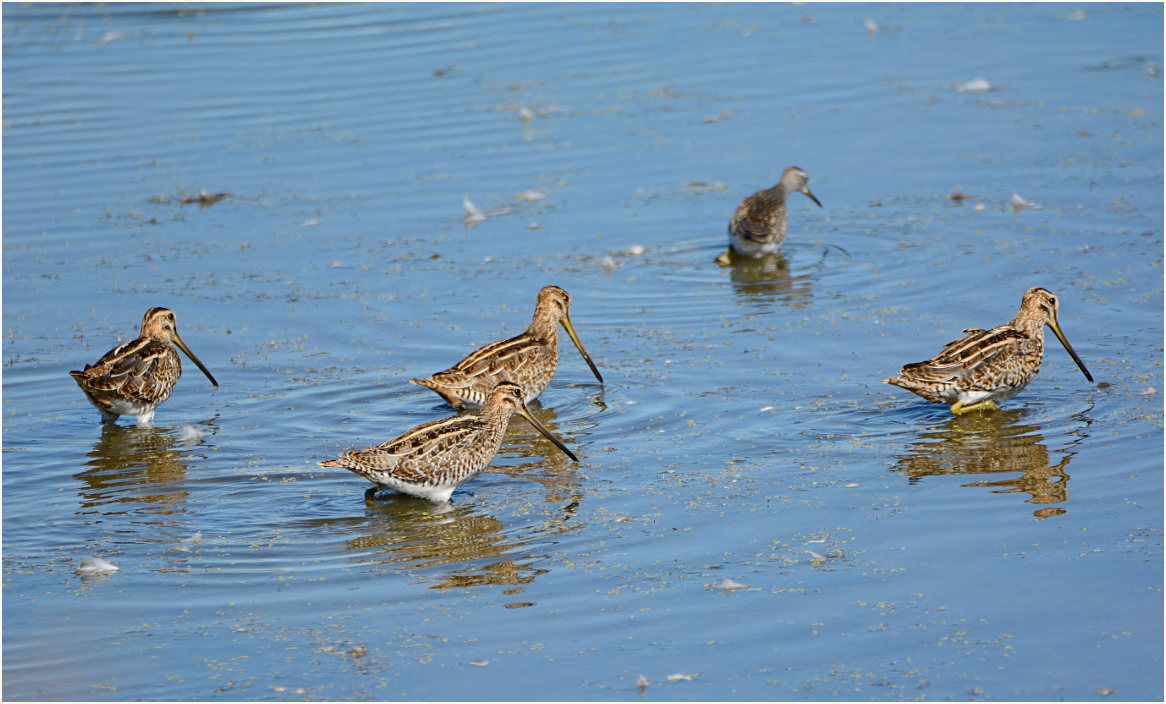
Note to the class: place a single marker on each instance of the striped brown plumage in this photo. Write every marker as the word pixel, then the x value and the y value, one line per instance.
pixel 986 366
pixel 528 359
pixel 433 459
pixel 134 378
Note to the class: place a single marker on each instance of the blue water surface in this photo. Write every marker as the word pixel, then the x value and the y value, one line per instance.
pixel 754 516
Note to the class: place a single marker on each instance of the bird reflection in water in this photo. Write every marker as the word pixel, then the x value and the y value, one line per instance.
pixel 450 546
pixel 521 440
pixel 767 278
pixel 138 465
pixel 992 443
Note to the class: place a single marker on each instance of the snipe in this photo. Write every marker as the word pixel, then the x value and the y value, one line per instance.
pixel 986 366
pixel 433 459
pixel 134 378
pixel 529 359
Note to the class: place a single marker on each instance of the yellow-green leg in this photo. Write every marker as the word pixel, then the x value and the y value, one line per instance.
pixel 959 408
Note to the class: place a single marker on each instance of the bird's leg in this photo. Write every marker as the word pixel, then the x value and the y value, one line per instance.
pixel 958 408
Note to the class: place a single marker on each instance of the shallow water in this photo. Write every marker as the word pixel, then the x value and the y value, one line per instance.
pixel 888 550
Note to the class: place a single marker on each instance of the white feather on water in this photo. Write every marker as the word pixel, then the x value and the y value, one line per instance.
pixel 976 85
pixel 190 434
pixel 729 585
pixel 95 565
pixel 475 215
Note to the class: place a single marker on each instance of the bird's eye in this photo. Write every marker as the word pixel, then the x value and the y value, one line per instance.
pixel 1052 300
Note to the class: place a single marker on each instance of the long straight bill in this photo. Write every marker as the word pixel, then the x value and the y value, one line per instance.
pixel 579 346
pixel 1069 348
pixel 525 413
pixel 182 346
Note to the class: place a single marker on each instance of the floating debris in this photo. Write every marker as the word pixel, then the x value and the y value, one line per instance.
pixel 1019 203
pixel 872 27
pixel 766 409
pixel 355 651
pixel 111 36
pixel 635 250
pixel 204 198
pixel 642 684
pixel 310 223
pixel 957 196
pixel 190 434
pixel 293 690
pixel 95 565
pixel 479 663
pixel 474 215
pixel 526 113
pixel 195 539
pixel 817 559
pixel 976 85
pixel 705 186
pixel 472 212
pixel 534 226
pixel 1075 15
pixel 724 113
pixel 851 485
pixel 1106 691
pixel 678 677
pixel 728 585
pixel 531 195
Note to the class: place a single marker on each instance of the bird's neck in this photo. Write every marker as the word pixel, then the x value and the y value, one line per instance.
pixel 544 326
